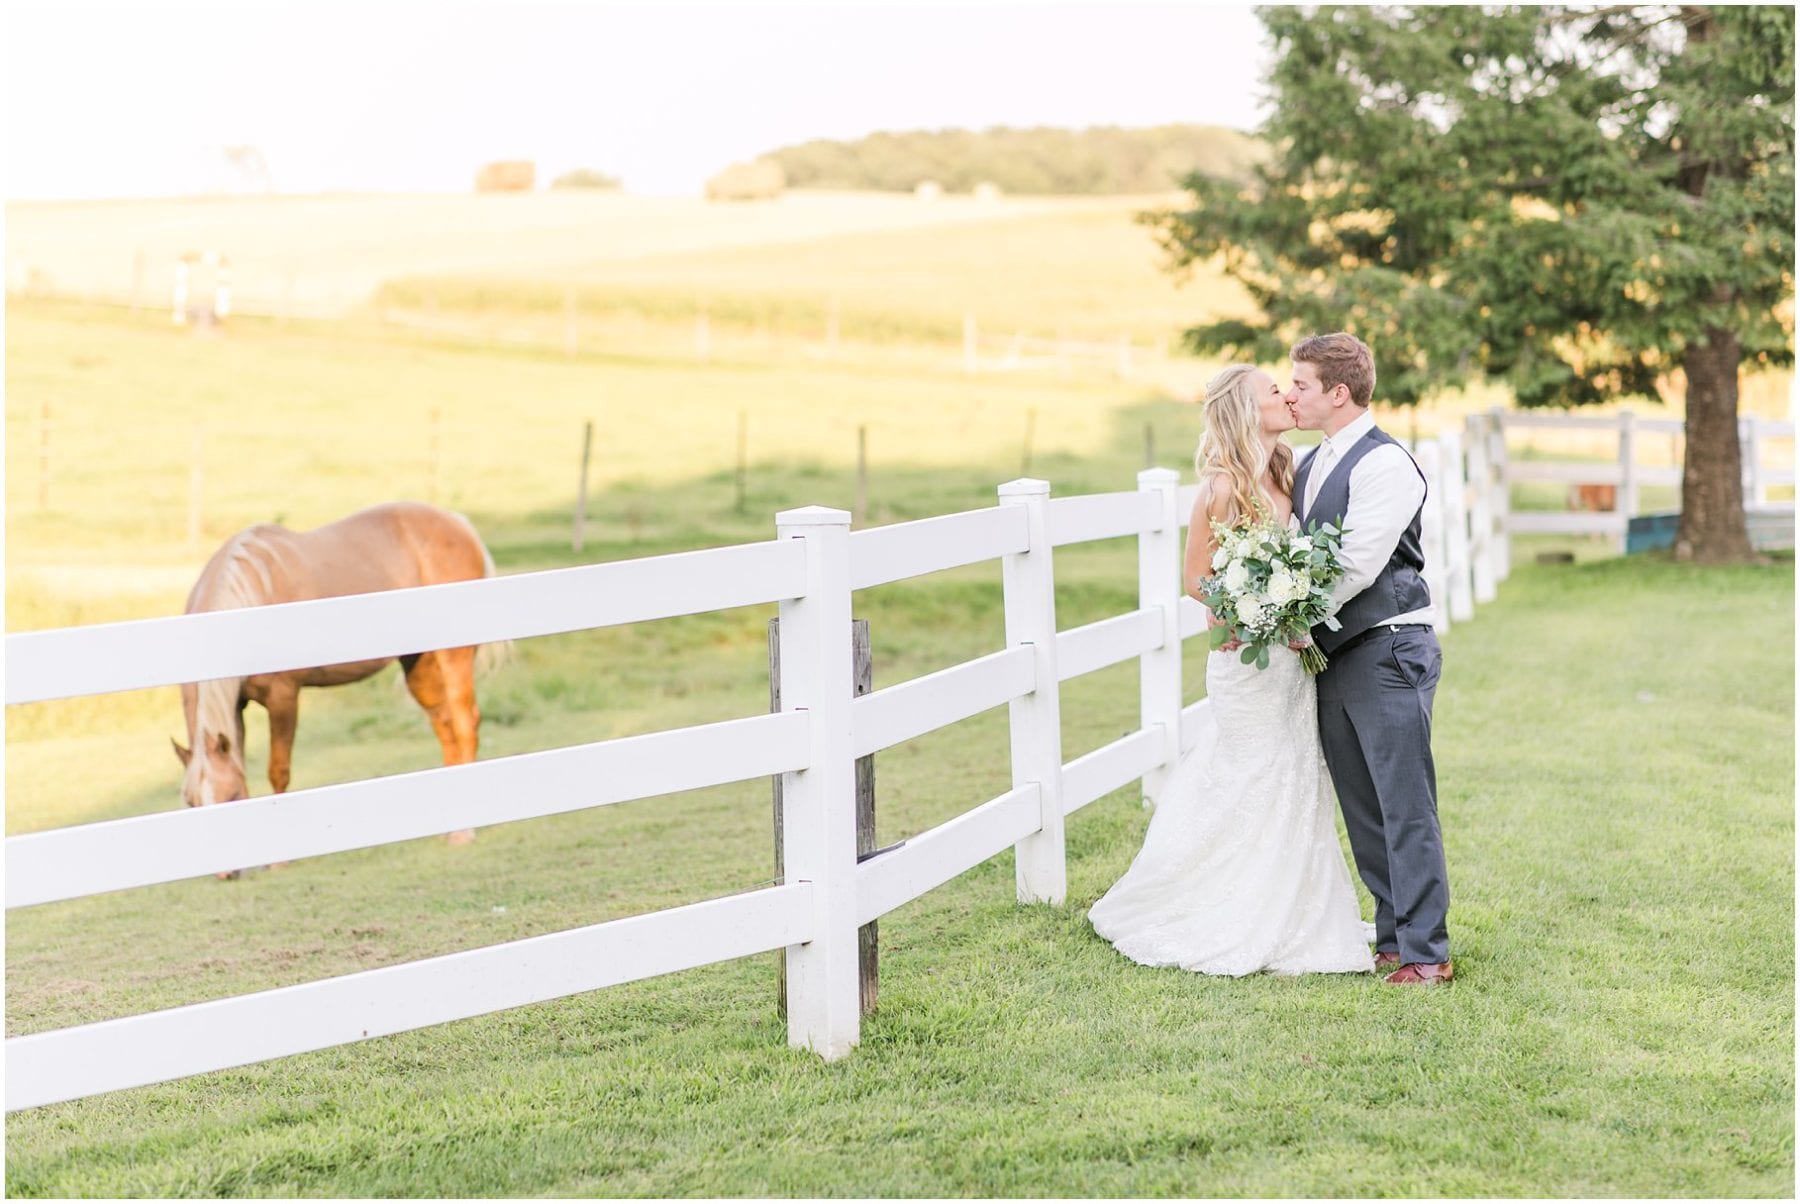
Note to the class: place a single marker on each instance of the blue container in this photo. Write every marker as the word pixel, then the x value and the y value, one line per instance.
pixel 1646 532
pixel 1770 527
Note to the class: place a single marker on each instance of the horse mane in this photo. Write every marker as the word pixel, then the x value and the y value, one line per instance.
pixel 238 575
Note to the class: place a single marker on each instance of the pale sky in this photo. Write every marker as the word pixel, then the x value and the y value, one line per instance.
pixel 139 100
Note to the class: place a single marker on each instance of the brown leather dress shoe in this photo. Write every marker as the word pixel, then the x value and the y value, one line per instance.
pixel 1387 959
pixel 1418 974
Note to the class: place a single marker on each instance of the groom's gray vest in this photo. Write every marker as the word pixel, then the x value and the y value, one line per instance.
pixel 1398 589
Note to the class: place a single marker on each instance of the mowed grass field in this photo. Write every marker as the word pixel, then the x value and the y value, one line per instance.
pixel 1614 743
pixel 1619 830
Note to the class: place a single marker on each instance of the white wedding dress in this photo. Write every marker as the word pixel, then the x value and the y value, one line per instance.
pixel 1241 869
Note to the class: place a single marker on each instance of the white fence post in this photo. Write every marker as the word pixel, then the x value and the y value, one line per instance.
pixel 1750 449
pixel 1501 495
pixel 1160 588
pixel 819 802
pixel 1030 592
pixel 1627 503
pixel 1481 518
pixel 1430 454
pixel 1461 586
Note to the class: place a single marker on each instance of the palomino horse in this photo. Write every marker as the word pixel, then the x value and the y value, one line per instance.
pixel 390 546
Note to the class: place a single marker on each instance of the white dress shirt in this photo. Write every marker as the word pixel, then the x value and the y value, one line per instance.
pixel 1386 490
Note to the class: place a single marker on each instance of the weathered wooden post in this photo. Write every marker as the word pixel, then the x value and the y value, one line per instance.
pixel 868 942
pixel 818 837
pixel 743 452
pixel 1029 585
pixel 1160 589
pixel 861 510
pixel 581 486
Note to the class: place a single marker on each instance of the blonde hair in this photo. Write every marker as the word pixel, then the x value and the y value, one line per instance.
pixel 1231 446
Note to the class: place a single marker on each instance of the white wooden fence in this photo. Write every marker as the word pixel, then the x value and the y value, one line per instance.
pixel 1627 476
pixel 810 570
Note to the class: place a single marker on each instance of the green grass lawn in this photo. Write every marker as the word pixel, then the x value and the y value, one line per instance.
pixel 1614 742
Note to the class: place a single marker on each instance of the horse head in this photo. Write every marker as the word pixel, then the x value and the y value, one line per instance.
pixel 216 775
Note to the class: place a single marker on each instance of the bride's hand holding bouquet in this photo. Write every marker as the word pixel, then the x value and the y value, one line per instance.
pixel 1272 585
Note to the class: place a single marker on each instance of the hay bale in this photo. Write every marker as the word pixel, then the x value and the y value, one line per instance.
pixel 586 177
pixel 762 180
pixel 928 190
pixel 507 175
pixel 987 190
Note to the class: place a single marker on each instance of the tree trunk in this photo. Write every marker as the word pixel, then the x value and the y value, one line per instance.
pixel 1712 527
pixel 1712 478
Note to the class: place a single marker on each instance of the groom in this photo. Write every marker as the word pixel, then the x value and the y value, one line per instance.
pixel 1375 696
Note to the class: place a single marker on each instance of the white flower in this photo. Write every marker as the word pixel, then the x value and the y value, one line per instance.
pixel 1303 543
pixel 1250 611
pixel 1220 559
pixel 1237 576
pixel 1284 588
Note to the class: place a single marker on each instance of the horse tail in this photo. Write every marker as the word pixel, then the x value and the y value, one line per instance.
pixel 488 657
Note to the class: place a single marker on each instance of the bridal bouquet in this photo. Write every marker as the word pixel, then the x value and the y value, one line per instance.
pixel 1271 585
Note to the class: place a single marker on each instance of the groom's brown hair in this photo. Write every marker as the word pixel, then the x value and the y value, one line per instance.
pixel 1341 359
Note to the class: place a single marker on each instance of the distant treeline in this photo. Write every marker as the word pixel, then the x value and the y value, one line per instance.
pixel 1100 159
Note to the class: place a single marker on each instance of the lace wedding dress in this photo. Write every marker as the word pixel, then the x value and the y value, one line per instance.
pixel 1241 869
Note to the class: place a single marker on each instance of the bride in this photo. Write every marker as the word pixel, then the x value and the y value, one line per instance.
pixel 1241 869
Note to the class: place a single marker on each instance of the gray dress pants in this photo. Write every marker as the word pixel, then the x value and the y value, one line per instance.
pixel 1375 726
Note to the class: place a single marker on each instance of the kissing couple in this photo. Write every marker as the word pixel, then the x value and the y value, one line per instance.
pixel 1241 870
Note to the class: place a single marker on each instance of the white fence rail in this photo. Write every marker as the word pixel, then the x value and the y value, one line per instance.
pixel 91 859
pixel 105 657
pixel 72 1062
pixel 810 570
pixel 1624 476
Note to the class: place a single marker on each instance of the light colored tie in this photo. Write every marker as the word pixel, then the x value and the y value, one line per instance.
pixel 1322 462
